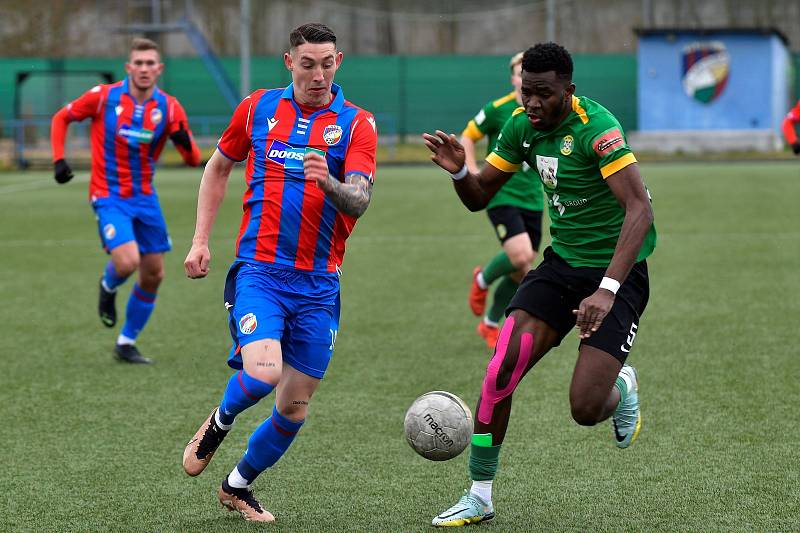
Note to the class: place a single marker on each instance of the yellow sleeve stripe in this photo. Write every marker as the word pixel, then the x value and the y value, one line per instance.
pixel 502 100
pixel 617 165
pixel 472 131
pixel 501 164
pixel 517 111
pixel 576 106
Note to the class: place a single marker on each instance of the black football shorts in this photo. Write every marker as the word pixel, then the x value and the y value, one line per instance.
pixel 509 220
pixel 552 290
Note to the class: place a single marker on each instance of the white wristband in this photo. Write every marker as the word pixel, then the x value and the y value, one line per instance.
pixel 610 284
pixel 461 173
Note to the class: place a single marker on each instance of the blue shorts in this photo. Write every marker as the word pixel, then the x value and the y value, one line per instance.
pixel 300 309
pixel 121 220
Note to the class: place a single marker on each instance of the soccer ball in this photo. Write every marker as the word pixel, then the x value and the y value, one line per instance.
pixel 438 425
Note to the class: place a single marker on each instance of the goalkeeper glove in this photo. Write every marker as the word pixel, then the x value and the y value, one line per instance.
pixel 62 171
pixel 181 138
pixel 796 148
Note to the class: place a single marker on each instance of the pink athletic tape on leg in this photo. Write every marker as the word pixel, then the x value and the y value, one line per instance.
pixel 490 395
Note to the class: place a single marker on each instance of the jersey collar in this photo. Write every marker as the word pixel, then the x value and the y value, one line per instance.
pixel 127 90
pixel 338 96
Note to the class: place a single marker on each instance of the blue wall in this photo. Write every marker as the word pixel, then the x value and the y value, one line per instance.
pixel 756 95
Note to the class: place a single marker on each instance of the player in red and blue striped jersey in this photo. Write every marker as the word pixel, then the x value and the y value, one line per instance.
pixel 131 120
pixel 310 167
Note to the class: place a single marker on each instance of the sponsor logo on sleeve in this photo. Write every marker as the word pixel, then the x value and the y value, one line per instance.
pixel 332 134
pixel 480 117
pixel 248 324
pixel 95 89
pixel 609 142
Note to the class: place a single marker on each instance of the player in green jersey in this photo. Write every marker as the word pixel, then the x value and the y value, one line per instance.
pixel 594 277
pixel 515 212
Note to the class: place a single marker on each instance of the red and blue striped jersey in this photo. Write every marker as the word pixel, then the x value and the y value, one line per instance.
pixel 127 137
pixel 287 219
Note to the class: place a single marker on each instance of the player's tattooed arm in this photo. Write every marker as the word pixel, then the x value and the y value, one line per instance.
pixel 352 196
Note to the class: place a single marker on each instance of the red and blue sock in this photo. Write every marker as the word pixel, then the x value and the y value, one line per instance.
pixel 243 391
pixel 267 444
pixel 140 306
pixel 112 280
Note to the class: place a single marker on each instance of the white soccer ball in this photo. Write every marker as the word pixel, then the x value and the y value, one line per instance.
pixel 438 425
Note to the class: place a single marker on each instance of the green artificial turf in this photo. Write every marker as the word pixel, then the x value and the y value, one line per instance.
pixel 90 444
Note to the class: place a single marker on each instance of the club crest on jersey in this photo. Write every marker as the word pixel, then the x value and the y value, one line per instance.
pixel 548 168
pixel 566 144
pixel 332 134
pixel 109 231
pixel 248 324
pixel 156 115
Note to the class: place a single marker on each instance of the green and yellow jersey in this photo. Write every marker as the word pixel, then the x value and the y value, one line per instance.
pixel 573 160
pixel 523 189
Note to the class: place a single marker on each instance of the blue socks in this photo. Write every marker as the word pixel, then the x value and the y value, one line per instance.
pixel 243 391
pixel 140 306
pixel 267 444
pixel 110 278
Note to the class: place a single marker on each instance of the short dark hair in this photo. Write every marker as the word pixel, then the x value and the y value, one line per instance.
pixel 545 57
pixel 140 44
pixel 313 32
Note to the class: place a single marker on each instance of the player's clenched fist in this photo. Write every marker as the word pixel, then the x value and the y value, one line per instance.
pixel 197 260
pixel 315 167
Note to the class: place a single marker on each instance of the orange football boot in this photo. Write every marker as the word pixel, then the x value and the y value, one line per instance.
pixel 477 296
pixel 489 333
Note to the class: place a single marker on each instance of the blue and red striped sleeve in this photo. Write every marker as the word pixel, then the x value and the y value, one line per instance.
pixel 235 141
pixel 360 156
pixel 87 105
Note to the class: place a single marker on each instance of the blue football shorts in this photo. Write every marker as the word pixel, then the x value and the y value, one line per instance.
pixel 301 309
pixel 121 220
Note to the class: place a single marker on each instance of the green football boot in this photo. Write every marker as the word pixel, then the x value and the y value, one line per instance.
pixel 627 419
pixel 470 509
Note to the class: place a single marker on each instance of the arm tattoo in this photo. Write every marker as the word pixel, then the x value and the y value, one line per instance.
pixel 351 197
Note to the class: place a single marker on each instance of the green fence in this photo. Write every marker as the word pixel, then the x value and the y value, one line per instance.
pixel 408 94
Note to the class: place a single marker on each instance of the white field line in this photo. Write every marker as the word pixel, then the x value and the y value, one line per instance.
pixel 32 185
